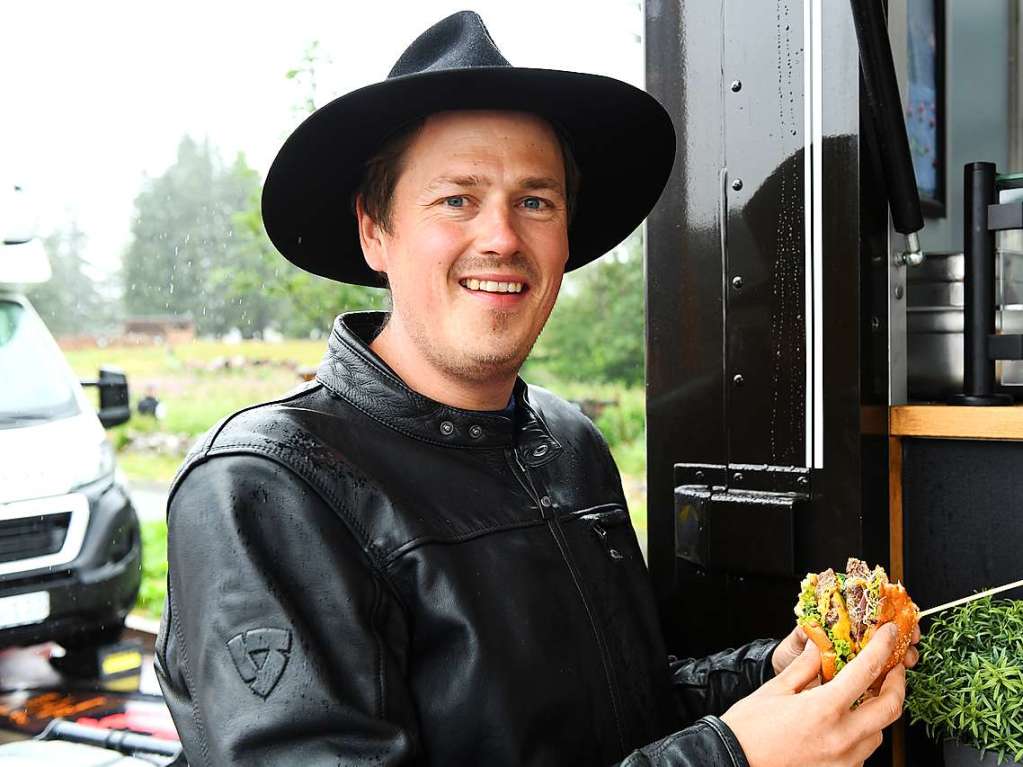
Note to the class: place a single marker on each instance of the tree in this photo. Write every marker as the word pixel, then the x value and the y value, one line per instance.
pixel 306 304
pixel 71 301
pixel 596 331
pixel 303 304
pixel 183 236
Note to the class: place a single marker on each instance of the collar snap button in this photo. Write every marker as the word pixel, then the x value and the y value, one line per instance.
pixel 540 450
pixel 447 428
pixel 475 431
pixel 546 501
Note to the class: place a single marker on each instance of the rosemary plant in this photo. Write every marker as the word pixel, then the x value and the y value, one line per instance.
pixel 968 684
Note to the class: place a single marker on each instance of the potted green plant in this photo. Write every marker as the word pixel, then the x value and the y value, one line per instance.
pixel 968 686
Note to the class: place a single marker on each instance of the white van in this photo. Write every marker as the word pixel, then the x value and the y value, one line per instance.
pixel 70 550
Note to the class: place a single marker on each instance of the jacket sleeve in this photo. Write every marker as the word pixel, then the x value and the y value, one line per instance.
pixel 281 643
pixel 707 743
pixel 703 688
pixel 709 686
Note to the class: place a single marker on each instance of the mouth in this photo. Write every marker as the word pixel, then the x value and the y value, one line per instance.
pixel 493 286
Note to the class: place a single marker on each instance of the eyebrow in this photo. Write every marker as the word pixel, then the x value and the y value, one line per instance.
pixel 530 183
pixel 467 181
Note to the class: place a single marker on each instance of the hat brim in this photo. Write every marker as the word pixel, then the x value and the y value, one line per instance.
pixel 621 138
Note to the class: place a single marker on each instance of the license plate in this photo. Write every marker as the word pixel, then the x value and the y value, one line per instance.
pixel 23 609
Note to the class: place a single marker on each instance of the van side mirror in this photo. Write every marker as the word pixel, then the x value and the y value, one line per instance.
pixel 113 396
pixel 15 215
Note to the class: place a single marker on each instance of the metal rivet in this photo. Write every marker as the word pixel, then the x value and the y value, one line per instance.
pixel 736 86
pixel 738 380
pixel 446 427
pixel 540 450
pixel 737 476
pixel 737 282
pixel 546 501
pixel 737 184
pixel 475 431
pixel 898 292
pixel 699 474
pixel 803 480
pixel 875 324
pixel 615 554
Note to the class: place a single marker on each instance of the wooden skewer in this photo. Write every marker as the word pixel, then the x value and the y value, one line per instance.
pixel 964 600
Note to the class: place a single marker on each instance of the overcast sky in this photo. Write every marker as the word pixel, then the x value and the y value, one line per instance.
pixel 96 96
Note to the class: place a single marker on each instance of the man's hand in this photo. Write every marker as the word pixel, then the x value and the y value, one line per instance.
pixel 786 723
pixel 792 647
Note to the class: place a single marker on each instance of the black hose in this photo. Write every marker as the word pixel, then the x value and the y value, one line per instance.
pixel 883 97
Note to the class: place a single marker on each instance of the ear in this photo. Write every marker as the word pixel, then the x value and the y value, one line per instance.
pixel 371 237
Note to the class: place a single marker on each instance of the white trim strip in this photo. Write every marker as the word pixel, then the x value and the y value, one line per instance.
pixel 817 51
pixel 807 233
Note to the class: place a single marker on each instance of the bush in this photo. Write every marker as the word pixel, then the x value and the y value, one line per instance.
pixel 968 684
pixel 153 590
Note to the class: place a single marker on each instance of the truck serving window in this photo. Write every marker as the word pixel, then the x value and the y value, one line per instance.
pixel 36 385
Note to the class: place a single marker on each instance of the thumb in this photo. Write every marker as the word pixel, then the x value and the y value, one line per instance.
pixel 801 672
pixel 866 666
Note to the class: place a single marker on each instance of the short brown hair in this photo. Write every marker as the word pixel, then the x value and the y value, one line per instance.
pixel 382 170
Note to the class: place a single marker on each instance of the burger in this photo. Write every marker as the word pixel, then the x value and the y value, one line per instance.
pixel 841 612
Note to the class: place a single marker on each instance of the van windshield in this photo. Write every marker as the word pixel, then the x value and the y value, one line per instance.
pixel 35 384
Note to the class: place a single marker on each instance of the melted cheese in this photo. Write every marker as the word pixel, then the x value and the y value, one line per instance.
pixel 842 628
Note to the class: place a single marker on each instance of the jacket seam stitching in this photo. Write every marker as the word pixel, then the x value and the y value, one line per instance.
pixel 601 644
pixel 213 438
pixel 308 475
pixel 721 736
pixel 416 543
pixel 665 744
pixel 190 684
pixel 377 602
pixel 201 455
pixel 281 449
pixel 412 434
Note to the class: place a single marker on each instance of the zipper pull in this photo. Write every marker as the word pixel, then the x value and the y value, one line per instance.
pixel 612 552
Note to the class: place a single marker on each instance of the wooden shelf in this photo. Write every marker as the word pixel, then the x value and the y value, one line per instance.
pixel 957 422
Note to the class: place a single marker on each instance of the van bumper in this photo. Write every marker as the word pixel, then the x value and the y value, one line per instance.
pixel 93 593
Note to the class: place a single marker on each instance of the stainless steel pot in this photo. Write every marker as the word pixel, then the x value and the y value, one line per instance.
pixel 934 321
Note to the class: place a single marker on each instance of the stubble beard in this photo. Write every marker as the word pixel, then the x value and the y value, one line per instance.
pixel 474 364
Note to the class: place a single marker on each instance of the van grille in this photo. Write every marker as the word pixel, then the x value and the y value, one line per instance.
pixel 30 537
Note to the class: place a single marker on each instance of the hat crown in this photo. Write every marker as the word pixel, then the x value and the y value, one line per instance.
pixel 460 41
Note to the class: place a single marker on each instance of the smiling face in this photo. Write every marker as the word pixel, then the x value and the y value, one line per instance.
pixel 475 251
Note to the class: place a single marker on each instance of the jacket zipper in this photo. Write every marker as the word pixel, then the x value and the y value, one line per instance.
pixel 559 536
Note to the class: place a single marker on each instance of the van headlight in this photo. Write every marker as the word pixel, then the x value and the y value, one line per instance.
pixel 104 466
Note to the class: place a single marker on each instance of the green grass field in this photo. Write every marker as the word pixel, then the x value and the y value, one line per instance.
pixel 196 397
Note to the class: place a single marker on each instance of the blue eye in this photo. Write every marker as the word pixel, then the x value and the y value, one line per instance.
pixel 455 202
pixel 533 203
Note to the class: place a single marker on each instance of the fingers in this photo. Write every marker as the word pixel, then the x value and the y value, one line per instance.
pixel 865 667
pixel 916 635
pixel 877 713
pixel 801 672
pixel 788 649
pixel 912 656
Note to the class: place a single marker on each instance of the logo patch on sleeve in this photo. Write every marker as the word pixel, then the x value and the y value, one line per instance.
pixel 260 656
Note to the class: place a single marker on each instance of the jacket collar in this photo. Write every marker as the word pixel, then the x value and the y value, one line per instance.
pixel 354 372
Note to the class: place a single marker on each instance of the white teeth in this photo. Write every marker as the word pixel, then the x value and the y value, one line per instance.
pixel 491 286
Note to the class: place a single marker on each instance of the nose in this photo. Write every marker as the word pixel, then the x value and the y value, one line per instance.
pixel 496 231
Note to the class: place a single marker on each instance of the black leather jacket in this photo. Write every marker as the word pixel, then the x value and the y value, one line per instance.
pixel 361 575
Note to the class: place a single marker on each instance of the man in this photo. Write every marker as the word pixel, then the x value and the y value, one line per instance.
pixel 417 558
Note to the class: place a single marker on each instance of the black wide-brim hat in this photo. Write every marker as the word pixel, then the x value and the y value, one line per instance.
pixel 621 138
